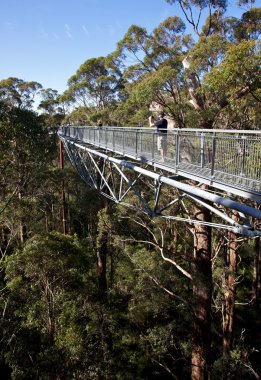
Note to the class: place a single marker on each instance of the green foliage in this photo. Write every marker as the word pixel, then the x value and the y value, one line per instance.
pixel 146 90
pixel 53 107
pixel 208 52
pixel 95 84
pixel 133 40
pixel 26 178
pixel 248 27
pixel 18 93
pixel 55 323
pixel 200 3
pixel 240 68
pixel 47 287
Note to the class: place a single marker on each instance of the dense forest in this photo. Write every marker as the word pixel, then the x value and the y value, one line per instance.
pixel 94 290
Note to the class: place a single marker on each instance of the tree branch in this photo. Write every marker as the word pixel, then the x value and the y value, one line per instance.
pixel 158 283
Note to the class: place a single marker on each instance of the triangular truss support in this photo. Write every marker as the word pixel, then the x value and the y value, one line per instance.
pixel 137 187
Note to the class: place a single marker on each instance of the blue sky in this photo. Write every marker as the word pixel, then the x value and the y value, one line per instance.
pixel 47 40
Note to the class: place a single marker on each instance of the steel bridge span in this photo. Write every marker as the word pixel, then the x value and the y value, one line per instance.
pixel 219 169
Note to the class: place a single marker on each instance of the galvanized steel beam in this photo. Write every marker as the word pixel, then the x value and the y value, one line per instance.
pixel 112 166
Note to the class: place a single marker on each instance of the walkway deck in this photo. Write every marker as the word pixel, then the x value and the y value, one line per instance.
pixel 225 159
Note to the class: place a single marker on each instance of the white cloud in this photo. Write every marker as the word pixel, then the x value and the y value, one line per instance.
pixel 56 36
pixel 68 31
pixel 85 30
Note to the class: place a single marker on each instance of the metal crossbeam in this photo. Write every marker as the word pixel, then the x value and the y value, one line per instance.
pixel 129 183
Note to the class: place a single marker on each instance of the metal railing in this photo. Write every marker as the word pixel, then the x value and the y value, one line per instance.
pixel 227 157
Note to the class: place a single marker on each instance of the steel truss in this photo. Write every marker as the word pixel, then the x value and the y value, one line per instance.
pixel 157 195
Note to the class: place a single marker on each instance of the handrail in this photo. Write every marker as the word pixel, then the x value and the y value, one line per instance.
pixel 232 131
pixel 227 159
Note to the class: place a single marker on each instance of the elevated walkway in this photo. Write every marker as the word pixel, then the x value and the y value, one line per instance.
pixel 228 161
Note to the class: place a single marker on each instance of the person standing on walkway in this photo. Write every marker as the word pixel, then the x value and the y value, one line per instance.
pixel 161 124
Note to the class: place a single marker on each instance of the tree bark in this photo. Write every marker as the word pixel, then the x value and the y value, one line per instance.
pixel 202 292
pixel 257 271
pixel 230 290
pixel 63 201
pixel 102 261
pixel 102 252
pixel 23 227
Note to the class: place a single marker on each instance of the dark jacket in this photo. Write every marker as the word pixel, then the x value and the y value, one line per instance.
pixel 161 125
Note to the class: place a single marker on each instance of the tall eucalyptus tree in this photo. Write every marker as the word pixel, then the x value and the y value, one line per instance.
pixel 206 83
pixel 19 93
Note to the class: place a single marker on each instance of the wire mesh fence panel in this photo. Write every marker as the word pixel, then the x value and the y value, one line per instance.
pixel 171 149
pixel 102 137
pixel 130 142
pixel 228 157
pixel 145 148
pixel 189 149
pixel 225 158
pixel 118 138
pixel 251 165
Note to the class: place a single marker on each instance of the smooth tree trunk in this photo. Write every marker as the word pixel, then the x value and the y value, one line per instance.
pixel 23 227
pixel 202 293
pixel 63 200
pixel 106 336
pixel 102 262
pixel 230 292
pixel 256 283
pixel 202 284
